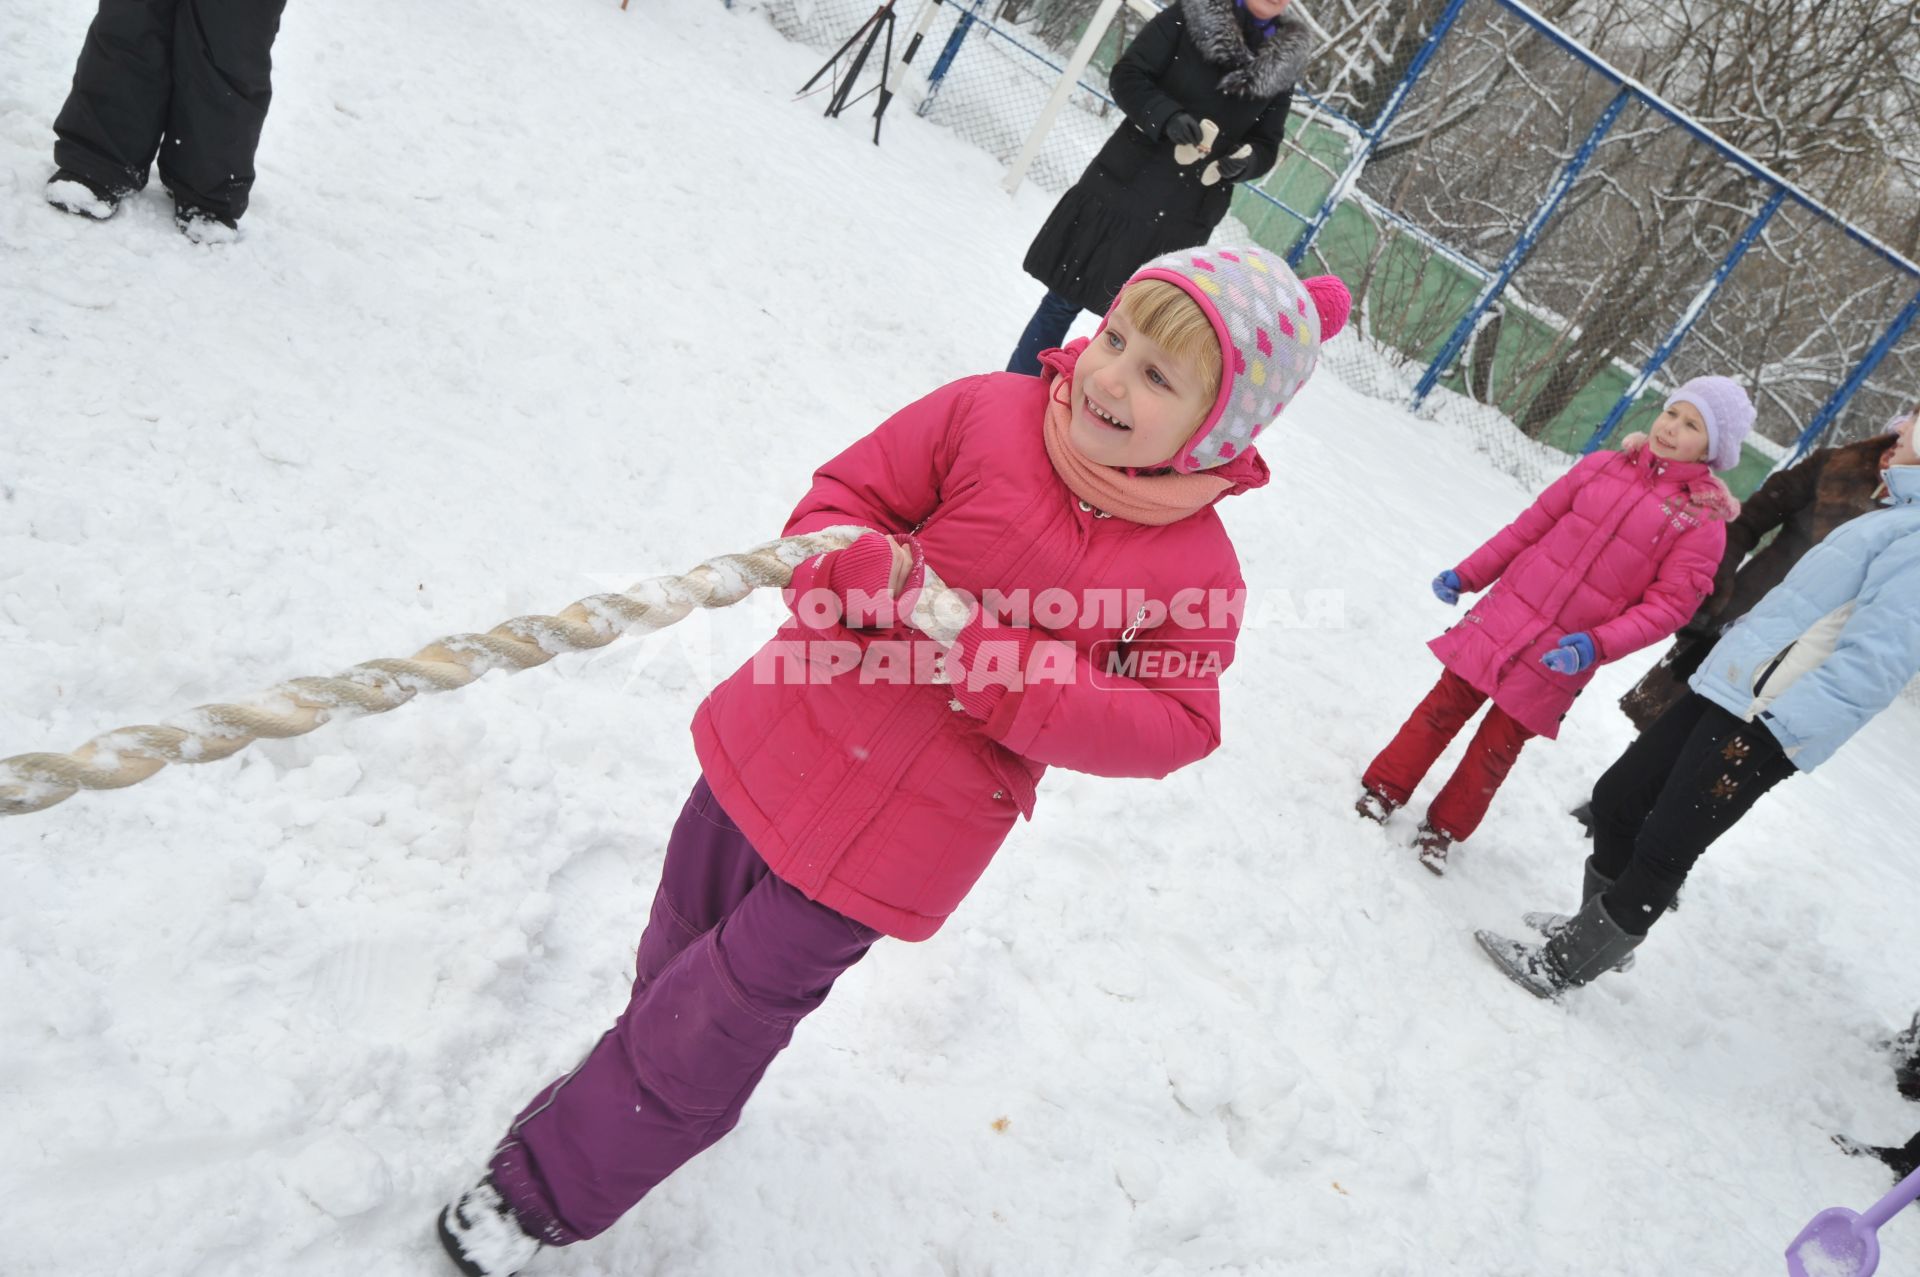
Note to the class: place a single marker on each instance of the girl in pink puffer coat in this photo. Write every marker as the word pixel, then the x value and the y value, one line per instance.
pixel 1614 556
pixel 852 790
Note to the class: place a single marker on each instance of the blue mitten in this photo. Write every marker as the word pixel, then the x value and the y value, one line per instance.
pixel 1446 587
pixel 1571 655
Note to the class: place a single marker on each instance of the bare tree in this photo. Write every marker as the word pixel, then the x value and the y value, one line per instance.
pixel 1825 92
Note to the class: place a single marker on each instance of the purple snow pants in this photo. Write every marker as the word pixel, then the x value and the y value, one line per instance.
pixel 732 958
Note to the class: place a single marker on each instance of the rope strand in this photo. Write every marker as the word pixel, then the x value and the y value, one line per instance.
pixel 129 755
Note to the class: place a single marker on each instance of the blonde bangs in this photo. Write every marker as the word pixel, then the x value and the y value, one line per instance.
pixel 1165 314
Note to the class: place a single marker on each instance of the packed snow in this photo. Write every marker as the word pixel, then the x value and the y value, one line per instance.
pixel 537 300
pixel 1820 1260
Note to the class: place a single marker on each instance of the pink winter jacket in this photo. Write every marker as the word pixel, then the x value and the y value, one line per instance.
pixel 1623 546
pixel 878 798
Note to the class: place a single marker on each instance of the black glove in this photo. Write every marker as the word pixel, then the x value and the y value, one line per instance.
pixel 1702 625
pixel 1232 167
pixel 1182 130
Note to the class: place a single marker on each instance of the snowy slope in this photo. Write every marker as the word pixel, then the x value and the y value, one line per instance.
pixel 537 300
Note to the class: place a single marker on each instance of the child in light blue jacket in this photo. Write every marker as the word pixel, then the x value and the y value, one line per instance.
pixel 1790 683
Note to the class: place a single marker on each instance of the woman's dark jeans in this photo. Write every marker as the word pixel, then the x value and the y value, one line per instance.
pixel 1046 330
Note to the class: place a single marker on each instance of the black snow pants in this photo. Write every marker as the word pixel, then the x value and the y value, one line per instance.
pixel 195 73
pixel 1689 778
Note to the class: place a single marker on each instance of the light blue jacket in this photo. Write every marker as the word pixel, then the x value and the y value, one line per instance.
pixel 1833 644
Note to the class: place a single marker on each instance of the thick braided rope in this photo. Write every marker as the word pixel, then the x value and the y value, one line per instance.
pixel 116 759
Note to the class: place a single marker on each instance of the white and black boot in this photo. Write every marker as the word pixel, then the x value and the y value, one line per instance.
pixel 1586 945
pixel 204 225
pixel 483 1236
pixel 82 196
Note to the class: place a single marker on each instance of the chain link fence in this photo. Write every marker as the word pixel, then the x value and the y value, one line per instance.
pixel 1543 239
pixel 1538 248
pixel 986 70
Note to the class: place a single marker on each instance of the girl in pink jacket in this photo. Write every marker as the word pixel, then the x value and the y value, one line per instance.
pixel 1614 556
pixel 851 789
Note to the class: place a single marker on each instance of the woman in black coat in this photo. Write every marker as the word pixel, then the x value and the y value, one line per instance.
pixel 1233 62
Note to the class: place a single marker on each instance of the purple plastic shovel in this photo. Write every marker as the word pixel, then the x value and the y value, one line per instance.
pixel 1839 1243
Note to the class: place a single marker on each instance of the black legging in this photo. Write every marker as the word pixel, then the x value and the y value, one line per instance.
pixel 197 72
pixel 1686 780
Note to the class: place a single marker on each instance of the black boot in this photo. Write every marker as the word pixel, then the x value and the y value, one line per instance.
pixel 1587 944
pixel 1592 883
pixel 1906 1061
pixel 204 225
pixel 1901 1161
pixel 82 196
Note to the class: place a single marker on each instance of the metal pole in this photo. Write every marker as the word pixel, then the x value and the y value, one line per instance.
pixel 948 52
pixel 1522 246
pixel 1082 54
pixel 1684 325
pixel 1862 371
pixel 1358 160
pixel 1660 106
pixel 920 26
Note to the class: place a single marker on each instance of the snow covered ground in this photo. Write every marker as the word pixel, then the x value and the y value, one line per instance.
pixel 536 300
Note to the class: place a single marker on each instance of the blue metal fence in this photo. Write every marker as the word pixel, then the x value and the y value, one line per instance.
pixel 992 76
pixel 1671 342
pixel 1521 247
pixel 1357 161
pixel 1847 381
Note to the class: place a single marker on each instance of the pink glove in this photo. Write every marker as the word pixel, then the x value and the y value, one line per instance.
pixel 864 578
pixel 982 662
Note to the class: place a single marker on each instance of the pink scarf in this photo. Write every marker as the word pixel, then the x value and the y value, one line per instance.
pixel 1152 499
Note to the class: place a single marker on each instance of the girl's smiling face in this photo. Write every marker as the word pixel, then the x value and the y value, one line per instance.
pixel 1680 434
pixel 1266 10
pixel 1134 403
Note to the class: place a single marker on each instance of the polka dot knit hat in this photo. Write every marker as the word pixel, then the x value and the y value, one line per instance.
pixel 1270 324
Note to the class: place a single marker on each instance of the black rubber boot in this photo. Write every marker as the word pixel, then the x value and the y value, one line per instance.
pixel 1592 883
pixel 1589 943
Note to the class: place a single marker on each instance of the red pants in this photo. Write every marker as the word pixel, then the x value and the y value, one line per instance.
pixel 1460 807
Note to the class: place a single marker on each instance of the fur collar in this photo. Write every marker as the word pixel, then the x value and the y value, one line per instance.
pixel 1705 490
pixel 1267 73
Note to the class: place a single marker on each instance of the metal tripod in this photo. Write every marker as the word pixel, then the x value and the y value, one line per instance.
pixel 871 30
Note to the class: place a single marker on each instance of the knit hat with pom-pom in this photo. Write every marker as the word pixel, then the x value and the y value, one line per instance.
pixel 1270 324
